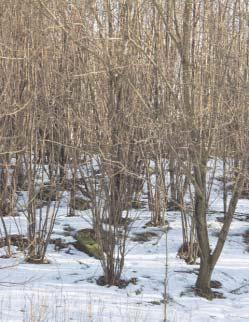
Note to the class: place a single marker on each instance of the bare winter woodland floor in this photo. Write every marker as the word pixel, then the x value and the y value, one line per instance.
pixel 66 290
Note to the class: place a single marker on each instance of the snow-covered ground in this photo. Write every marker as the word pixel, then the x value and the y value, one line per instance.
pixel 66 289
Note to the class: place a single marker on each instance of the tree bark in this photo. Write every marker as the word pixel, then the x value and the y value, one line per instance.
pixel 204 278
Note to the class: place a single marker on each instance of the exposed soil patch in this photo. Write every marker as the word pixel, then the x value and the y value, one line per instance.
pixel 215 284
pixel 121 283
pixel 48 193
pixel 79 203
pixel 20 241
pixel 144 237
pixel 209 295
pixel 37 260
pixel 59 243
pixel 151 224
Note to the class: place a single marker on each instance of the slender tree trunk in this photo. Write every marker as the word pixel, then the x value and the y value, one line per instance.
pixel 204 278
pixel 205 272
pixel 172 182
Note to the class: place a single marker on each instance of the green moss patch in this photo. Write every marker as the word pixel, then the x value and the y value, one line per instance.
pixel 86 242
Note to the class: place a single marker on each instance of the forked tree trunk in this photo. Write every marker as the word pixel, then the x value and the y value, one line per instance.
pixel 208 259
